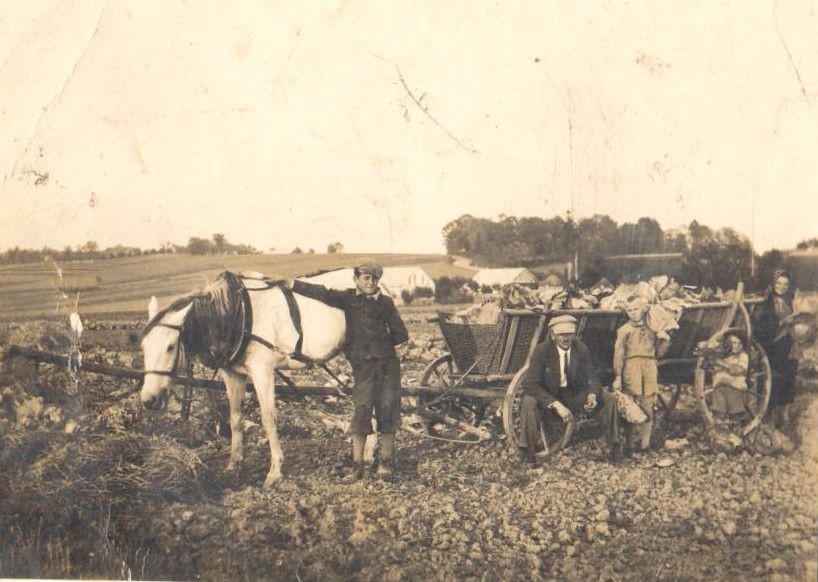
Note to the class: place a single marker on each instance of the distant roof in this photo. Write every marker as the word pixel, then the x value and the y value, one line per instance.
pixel 808 252
pixel 504 276
pixel 657 256
pixel 393 278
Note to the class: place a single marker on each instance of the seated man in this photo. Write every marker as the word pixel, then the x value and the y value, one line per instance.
pixel 561 380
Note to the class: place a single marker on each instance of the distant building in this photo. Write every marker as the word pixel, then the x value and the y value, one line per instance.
pixel 394 282
pixel 492 277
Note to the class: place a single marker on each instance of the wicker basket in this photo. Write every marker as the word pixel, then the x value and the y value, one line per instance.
pixel 474 347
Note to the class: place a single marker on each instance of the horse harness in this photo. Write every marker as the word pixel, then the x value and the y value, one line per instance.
pixel 295 315
pixel 235 322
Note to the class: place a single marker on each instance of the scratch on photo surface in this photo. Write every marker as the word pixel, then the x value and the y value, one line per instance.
pixel 58 96
pixel 789 54
pixel 418 103
pixel 133 142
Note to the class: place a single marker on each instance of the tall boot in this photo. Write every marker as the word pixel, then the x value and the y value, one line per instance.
pixel 357 471
pixel 386 445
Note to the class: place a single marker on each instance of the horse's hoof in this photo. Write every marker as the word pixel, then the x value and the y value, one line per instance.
pixel 271 480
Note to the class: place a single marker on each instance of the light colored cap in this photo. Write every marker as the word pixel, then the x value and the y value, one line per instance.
pixel 563 324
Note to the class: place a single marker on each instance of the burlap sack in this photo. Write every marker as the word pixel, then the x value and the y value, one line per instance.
pixel 628 408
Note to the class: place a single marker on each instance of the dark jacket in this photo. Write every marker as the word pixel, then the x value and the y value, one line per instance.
pixel 766 326
pixel 542 380
pixel 374 326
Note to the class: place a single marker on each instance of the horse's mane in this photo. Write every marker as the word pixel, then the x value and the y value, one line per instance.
pixel 177 304
pixel 209 324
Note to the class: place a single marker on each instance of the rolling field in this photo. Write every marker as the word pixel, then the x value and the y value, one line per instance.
pixel 123 286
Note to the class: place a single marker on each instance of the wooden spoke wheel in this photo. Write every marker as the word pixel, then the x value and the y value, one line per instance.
pixel 730 410
pixel 666 400
pixel 554 433
pixel 441 374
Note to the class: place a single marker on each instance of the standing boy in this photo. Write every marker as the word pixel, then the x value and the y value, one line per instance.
pixel 635 365
pixel 373 329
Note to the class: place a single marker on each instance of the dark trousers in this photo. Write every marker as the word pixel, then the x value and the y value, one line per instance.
pixel 783 388
pixel 534 411
pixel 377 386
pixel 784 371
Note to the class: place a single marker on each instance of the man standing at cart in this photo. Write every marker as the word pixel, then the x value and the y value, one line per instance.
pixel 560 382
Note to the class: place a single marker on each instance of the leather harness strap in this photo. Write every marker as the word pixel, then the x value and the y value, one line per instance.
pixel 295 314
pixel 247 328
pixel 247 312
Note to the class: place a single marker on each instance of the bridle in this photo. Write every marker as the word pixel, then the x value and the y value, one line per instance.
pixel 177 362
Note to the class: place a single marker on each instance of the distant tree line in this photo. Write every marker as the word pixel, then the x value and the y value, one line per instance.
pixel 711 257
pixel 216 245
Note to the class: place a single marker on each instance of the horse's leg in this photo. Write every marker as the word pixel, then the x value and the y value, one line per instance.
pixel 235 384
pixel 264 381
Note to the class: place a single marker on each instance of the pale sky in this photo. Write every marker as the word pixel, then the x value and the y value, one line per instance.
pixel 291 123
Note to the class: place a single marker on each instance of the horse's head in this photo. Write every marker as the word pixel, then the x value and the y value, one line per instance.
pixel 164 352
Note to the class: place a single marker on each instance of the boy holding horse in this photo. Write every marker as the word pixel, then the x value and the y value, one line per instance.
pixel 373 329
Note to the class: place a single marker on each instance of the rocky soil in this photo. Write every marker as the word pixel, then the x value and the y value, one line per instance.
pixel 92 486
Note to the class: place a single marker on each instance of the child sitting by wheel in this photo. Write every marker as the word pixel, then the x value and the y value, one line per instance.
pixel 730 378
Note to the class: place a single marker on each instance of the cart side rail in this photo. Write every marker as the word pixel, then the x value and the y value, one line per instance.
pixel 500 350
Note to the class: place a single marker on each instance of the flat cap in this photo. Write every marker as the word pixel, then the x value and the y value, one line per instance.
pixel 369 268
pixel 563 324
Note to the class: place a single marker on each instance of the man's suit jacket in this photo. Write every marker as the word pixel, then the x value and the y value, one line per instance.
pixel 542 380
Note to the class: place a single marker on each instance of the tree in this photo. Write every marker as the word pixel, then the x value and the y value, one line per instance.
pixel 90 247
pixel 198 246
pixel 335 248
pixel 716 258
pixel 219 242
pixel 297 251
pixel 766 266
pixel 807 244
pixel 449 290
pixel 456 235
pixel 644 237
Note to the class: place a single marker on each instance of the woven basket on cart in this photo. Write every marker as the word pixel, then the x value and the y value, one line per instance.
pixel 474 347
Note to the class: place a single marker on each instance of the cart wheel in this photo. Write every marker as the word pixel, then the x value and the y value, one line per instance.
pixel 759 386
pixel 441 374
pixel 666 400
pixel 554 433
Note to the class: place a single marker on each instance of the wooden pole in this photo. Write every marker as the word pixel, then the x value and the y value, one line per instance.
pixel 281 389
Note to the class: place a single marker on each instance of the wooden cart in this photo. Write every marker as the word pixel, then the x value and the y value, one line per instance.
pixel 494 357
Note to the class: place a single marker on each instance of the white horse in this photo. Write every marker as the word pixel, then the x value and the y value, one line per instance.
pixel 167 343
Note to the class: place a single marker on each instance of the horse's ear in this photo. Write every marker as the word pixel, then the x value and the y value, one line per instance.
pixel 153 307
